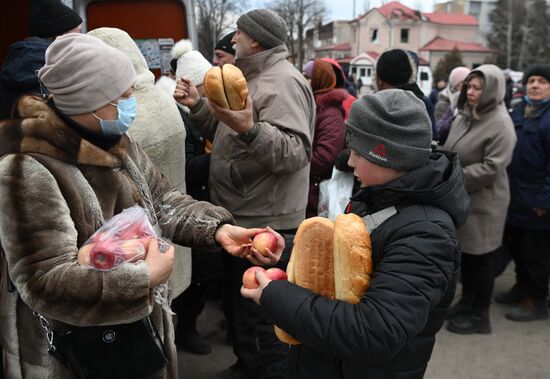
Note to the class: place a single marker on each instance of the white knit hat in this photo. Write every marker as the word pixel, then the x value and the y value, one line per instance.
pixel 190 63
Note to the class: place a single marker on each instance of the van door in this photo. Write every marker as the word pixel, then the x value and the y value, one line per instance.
pixel 155 25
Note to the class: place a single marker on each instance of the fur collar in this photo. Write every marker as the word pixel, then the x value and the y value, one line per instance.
pixel 332 98
pixel 38 129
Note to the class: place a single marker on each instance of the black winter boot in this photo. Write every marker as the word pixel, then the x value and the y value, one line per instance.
pixel 476 322
pixel 514 296
pixel 528 310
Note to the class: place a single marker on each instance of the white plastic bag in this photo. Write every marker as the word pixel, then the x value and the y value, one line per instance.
pixel 334 194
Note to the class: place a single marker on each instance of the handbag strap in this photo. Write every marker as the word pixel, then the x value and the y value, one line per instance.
pixel 44 323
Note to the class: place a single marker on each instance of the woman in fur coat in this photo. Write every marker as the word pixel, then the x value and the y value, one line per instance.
pixel 66 167
pixel 328 138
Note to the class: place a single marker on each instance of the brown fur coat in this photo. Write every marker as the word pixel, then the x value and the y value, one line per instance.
pixel 56 189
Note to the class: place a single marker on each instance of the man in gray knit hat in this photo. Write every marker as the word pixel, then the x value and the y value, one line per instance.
pixel 259 171
pixel 412 201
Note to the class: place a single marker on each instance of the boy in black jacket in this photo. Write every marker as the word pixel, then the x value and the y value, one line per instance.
pixel 412 201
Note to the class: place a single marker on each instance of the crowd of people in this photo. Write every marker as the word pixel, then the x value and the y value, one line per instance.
pixel 452 180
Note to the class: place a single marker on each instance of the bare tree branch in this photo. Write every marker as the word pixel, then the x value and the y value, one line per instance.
pixel 213 18
pixel 299 15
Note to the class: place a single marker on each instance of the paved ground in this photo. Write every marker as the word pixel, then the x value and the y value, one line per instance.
pixel 512 351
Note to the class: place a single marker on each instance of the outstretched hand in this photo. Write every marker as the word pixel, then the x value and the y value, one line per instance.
pixel 236 240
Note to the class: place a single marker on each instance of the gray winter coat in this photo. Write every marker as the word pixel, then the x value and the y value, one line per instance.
pixel 485 145
pixel 265 182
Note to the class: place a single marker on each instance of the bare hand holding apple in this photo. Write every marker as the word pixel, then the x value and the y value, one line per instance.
pixel 255 279
pixel 267 247
pixel 264 242
pixel 236 240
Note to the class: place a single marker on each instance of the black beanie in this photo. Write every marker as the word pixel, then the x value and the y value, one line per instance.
pixel 394 67
pixel 225 44
pixel 50 18
pixel 539 69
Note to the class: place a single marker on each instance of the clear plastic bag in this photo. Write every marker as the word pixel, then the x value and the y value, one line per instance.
pixel 334 194
pixel 123 238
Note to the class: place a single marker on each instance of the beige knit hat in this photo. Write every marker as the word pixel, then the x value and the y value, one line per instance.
pixel 84 74
pixel 190 63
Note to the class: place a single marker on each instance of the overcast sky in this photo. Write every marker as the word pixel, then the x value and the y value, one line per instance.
pixel 343 9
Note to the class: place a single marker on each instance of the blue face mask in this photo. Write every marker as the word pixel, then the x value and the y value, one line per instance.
pixel 126 115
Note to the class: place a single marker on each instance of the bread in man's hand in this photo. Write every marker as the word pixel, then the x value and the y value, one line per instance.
pixel 213 86
pixel 226 87
pixel 235 86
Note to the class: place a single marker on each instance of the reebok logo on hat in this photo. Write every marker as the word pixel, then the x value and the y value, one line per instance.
pixel 379 152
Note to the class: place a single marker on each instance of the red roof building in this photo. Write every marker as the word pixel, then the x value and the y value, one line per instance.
pixel 394 25
pixel 398 10
pixel 451 19
pixel 446 45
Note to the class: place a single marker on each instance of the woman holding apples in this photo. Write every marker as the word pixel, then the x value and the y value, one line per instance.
pixel 66 167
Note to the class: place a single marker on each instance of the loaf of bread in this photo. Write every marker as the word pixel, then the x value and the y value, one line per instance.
pixel 331 259
pixel 311 263
pixel 236 89
pixel 352 258
pixel 226 87
pixel 213 86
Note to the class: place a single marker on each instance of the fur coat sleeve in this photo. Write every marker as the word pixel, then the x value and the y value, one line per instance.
pixel 37 230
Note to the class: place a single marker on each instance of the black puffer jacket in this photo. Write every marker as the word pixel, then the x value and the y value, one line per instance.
pixel 391 332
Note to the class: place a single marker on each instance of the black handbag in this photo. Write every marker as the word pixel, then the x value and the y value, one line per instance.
pixel 132 351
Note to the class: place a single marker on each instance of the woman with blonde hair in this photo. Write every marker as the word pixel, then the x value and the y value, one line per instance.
pixel 483 136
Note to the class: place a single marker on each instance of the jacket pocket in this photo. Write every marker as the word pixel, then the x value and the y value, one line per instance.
pixel 248 177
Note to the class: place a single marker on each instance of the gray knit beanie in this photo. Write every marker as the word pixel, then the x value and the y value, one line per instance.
pixel 391 129
pixel 264 26
pixel 84 74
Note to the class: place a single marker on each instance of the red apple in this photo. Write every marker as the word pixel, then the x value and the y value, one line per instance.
pixel 102 260
pixel 263 241
pixel 276 274
pixel 249 277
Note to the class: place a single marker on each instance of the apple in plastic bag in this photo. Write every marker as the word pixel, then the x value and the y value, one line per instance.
pixel 103 260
